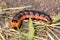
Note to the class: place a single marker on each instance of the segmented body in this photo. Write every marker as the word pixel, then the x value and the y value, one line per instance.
pixel 19 17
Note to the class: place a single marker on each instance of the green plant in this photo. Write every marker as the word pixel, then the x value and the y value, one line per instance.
pixel 31 30
pixel 43 26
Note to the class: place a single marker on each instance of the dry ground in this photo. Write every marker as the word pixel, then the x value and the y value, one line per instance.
pixel 51 7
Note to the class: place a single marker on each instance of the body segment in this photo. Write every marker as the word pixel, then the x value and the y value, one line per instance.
pixel 19 17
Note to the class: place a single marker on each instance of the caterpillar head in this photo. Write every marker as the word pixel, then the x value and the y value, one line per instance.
pixel 14 23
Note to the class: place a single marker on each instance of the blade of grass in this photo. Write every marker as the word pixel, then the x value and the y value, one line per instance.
pixel 49 35
pixel 2 23
pixel 55 26
pixel 31 30
pixel 52 33
pixel 20 33
pixel 1 37
pixel 56 19
pixel 36 25
pixel 17 8
pixel 55 30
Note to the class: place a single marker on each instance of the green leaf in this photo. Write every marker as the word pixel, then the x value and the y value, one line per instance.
pixel 56 19
pixel 31 30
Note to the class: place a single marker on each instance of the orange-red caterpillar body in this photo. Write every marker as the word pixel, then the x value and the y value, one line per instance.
pixel 19 17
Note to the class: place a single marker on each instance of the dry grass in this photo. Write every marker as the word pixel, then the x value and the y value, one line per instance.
pixel 8 33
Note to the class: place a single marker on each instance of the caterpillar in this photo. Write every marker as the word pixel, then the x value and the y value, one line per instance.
pixel 25 14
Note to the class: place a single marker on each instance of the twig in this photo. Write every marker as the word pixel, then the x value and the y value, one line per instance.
pixel 2 23
pixel 49 35
pixel 2 37
pixel 55 26
pixel 16 8
pixel 53 33
pixel 55 30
